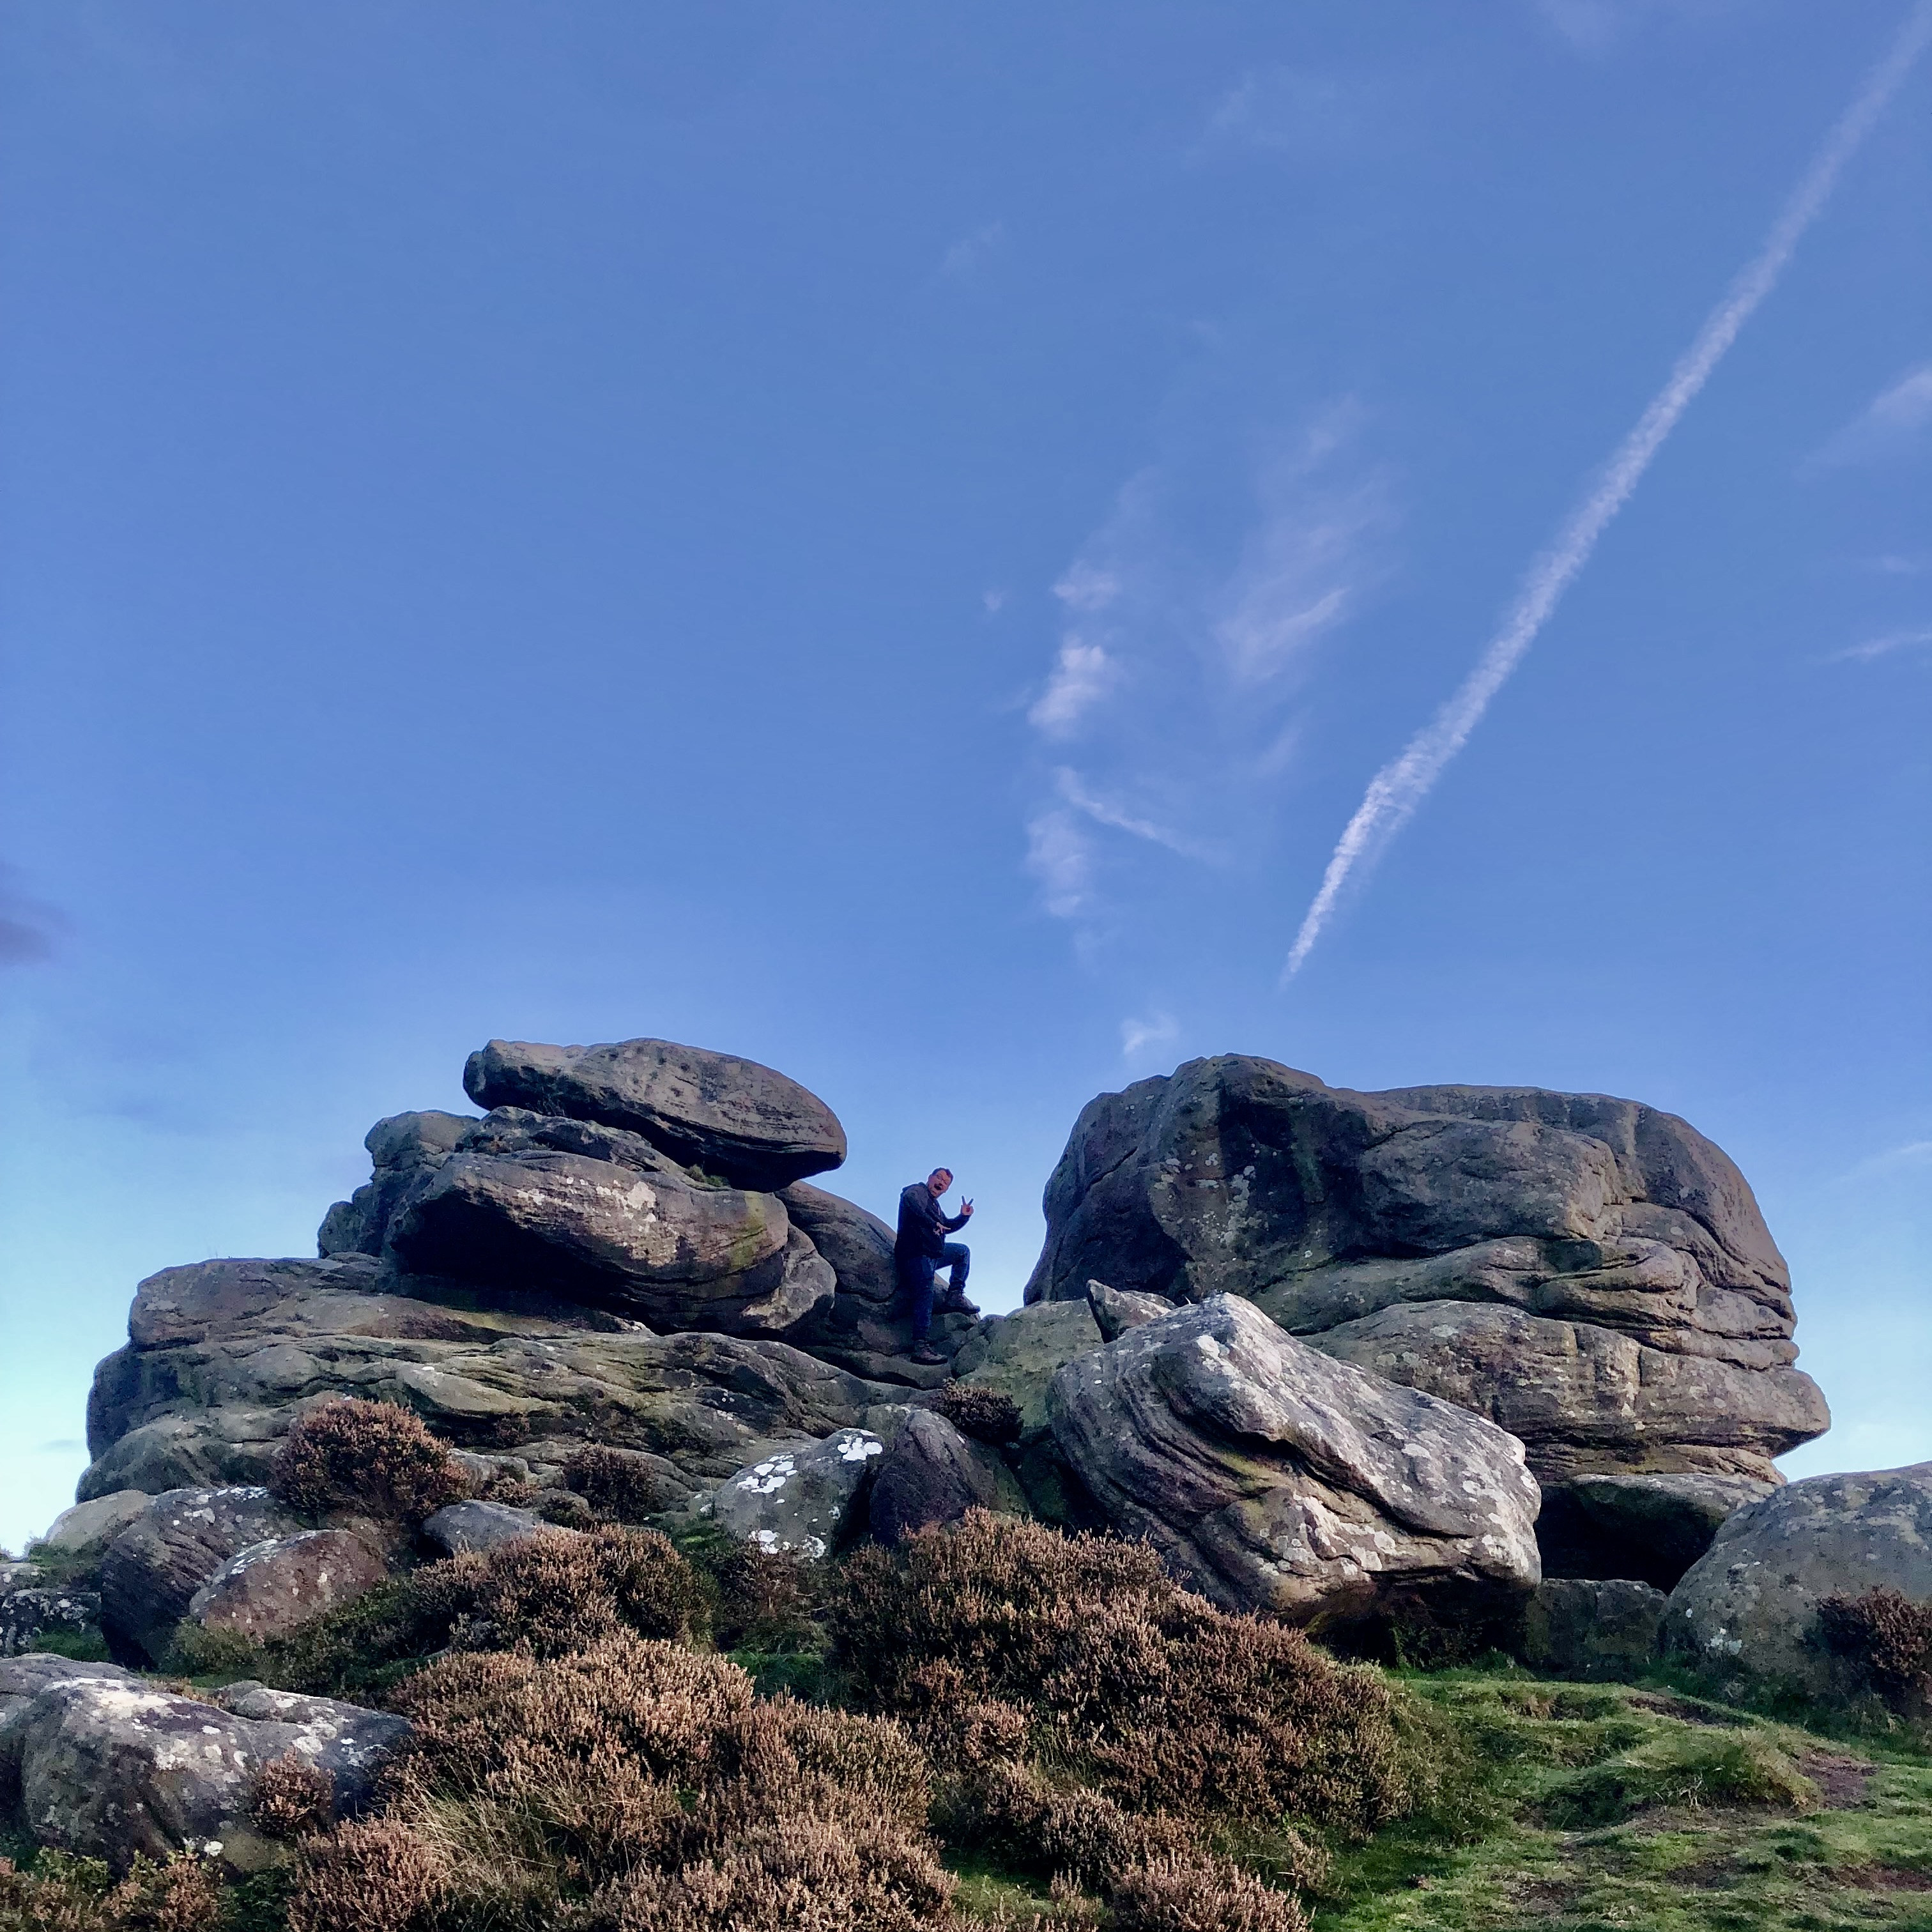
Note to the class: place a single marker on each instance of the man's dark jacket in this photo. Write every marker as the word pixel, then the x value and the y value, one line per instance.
pixel 922 1229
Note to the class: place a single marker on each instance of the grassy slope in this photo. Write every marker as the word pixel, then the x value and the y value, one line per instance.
pixel 1614 1806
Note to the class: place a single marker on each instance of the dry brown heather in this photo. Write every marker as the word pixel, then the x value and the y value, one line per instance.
pixel 618 1487
pixel 374 1458
pixel 1887 1639
pixel 1082 1653
pixel 984 1413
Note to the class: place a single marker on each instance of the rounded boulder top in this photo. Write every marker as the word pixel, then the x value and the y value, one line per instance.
pixel 733 1118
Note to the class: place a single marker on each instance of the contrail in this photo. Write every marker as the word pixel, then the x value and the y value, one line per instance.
pixel 1401 785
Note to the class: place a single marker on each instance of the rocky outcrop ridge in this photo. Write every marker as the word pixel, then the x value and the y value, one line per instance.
pixel 1591 1273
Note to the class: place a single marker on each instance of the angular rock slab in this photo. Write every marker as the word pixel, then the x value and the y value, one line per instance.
pixel 932 1474
pixel 1650 1528
pixel 1117 1309
pixel 1272 1478
pixel 800 1501
pixel 732 1117
pixel 83 1533
pixel 403 1149
pixel 650 1246
pixel 1749 1606
pixel 272 1588
pixel 109 1767
pixel 1594 1630
pixel 154 1568
pixel 1585 1398
pixel 1327 1208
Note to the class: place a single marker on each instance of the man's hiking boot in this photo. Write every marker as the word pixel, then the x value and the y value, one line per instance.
pixel 956 1304
pixel 926 1355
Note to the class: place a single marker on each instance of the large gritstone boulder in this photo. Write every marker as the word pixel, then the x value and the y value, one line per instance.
pixel 224 1355
pixel 737 1120
pixel 105 1767
pixel 272 1588
pixel 644 1241
pixel 1748 1607
pixel 1457 1239
pixel 153 1569
pixel 1270 1478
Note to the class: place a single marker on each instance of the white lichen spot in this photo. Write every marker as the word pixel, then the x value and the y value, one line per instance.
pixel 857 1448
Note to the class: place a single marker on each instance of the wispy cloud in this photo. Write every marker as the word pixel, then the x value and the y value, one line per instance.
pixel 1287 110
pixel 1400 787
pixel 1891 420
pixel 968 253
pixel 1157 1029
pixel 1061 855
pixel 1907 1158
pixel 1179 670
pixel 1594 26
pixel 1879 647
pixel 1082 675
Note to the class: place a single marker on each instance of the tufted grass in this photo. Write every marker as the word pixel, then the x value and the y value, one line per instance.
pixel 1621 1806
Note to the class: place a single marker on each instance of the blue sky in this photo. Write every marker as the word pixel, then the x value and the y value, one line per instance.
pixel 891 540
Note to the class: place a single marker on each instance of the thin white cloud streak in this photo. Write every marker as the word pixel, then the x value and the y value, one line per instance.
pixel 1082 675
pixel 1101 813
pixel 1879 647
pixel 1401 786
pixel 1061 857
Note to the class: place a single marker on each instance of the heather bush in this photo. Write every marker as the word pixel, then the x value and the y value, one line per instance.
pixel 1138 1687
pixel 618 1486
pixel 985 1414
pixel 1886 1638
pixel 1174 1894
pixel 69 1894
pixel 292 1797
pixel 376 1458
pixel 638 1786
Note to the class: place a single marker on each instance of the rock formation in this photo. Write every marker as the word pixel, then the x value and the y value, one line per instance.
pixel 1271 1477
pixel 1590 1273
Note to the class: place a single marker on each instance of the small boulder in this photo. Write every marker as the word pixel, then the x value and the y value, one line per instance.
pixel 82 1535
pixel 1592 1629
pixel 1117 1309
pixel 154 1568
pixel 802 1500
pixel 272 1588
pixel 479 1525
pixel 1748 1606
pixel 933 1474
pixel 1650 1527
pixel 112 1768
pixel 1271 1477
pixel 732 1117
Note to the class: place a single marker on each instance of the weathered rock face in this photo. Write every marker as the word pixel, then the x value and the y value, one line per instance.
pixel 482 1525
pixel 1594 1630
pixel 801 1501
pixel 108 1768
pixel 932 1474
pixel 650 1245
pixel 1628 1245
pixel 154 1568
pixel 732 1117
pixel 272 1588
pixel 32 1611
pixel 403 1150
pixel 1651 1528
pixel 1117 1309
pixel 224 1355
pixel 1749 1604
pixel 1271 1477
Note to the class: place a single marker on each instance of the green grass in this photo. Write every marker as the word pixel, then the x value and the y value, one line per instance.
pixel 1614 1806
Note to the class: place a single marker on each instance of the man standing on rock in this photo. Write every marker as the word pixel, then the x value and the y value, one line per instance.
pixel 922 1249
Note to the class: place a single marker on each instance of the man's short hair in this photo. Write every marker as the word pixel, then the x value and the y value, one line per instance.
pixel 946 1170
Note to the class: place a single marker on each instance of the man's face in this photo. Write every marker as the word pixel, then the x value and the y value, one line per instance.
pixel 939 1181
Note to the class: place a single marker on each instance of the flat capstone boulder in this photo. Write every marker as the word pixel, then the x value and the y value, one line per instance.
pixel 736 1120
pixel 1271 1477
pixel 802 1501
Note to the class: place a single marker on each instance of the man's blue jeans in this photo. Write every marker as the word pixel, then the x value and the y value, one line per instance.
pixel 956 1257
